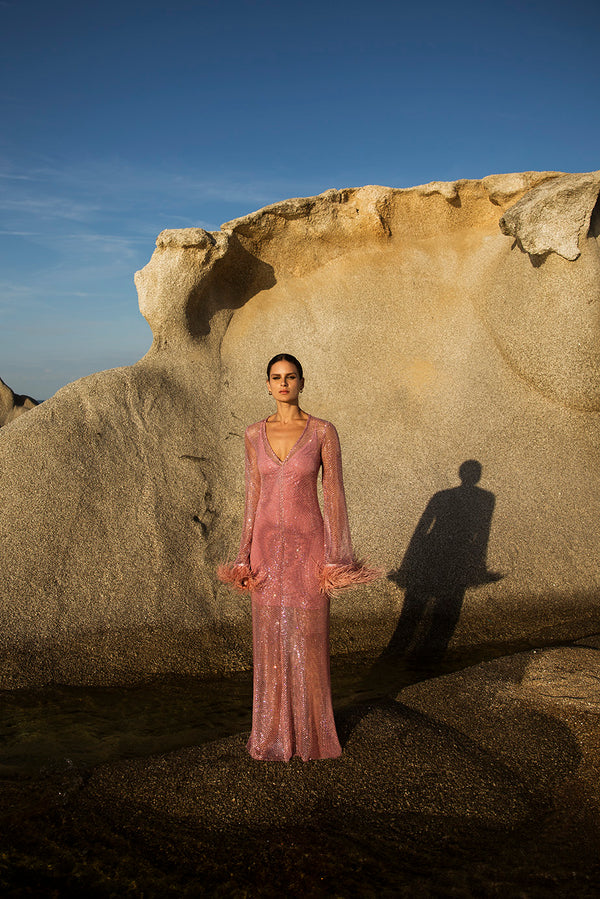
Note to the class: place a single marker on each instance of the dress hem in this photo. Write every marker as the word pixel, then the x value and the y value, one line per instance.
pixel 296 755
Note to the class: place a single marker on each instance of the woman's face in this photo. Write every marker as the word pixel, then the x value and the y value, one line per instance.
pixel 284 383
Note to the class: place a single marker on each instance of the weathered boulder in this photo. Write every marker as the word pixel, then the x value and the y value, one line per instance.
pixel 13 404
pixel 430 337
pixel 554 216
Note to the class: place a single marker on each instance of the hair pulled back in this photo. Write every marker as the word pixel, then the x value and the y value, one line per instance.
pixel 284 357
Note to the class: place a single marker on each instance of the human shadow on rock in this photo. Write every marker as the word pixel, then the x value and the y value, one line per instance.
pixel 447 554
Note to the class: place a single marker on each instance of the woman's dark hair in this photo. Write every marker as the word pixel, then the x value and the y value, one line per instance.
pixel 284 357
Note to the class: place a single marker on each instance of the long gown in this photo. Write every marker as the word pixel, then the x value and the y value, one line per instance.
pixel 292 558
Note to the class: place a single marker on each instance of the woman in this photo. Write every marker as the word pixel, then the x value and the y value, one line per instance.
pixel 291 559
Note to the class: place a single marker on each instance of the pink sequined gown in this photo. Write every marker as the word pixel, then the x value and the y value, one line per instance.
pixel 293 558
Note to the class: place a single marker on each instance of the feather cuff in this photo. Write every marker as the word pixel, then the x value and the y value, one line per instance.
pixel 239 577
pixel 334 577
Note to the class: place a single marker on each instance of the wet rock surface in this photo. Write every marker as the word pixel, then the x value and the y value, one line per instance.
pixel 459 785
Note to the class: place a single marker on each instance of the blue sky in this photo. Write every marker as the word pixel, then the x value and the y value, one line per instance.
pixel 120 119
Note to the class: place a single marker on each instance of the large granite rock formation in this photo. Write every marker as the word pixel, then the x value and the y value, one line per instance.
pixel 13 404
pixel 443 327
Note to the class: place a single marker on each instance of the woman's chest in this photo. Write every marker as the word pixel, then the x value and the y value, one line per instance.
pixel 302 461
pixel 283 438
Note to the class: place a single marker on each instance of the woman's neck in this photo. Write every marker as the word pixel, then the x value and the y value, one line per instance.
pixel 287 413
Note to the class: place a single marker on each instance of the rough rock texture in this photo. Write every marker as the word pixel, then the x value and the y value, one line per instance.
pixel 565 677
pixel 463 785
pixel 537 713
pixel 430 337
pixel 552 218
pixel 472 744
pixel 13 404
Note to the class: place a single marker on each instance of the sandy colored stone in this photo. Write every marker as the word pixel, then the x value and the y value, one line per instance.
pixel 554 216
pixel 12 404
pixel 428 336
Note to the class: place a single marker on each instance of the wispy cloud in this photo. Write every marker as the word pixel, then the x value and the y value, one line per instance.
pixel 21 233
pixel 11 176
pixel 49 208
pixel 73 233
pixel 108 187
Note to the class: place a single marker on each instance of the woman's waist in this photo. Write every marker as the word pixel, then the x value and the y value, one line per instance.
pixel 302 530
pixel 274 511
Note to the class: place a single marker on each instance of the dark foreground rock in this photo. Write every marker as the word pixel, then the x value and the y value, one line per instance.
pixel 482 782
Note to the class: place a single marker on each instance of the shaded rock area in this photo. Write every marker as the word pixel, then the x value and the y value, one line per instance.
pixel 466 784
pixel 565 677
pixel 441 326
pixel 13 404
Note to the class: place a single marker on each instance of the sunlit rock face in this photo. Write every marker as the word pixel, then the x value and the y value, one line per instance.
pixel 13 404
pixel 439 325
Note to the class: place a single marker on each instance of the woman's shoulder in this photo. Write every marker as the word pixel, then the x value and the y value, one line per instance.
pixel 253 430
pixel 323 426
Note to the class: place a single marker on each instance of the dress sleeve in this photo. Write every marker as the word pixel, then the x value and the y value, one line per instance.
pixel 238 574
pixel 340 568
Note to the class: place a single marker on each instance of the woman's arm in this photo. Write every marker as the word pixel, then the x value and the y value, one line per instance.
pixel 338 544
pixel 340 568
pixel 239 574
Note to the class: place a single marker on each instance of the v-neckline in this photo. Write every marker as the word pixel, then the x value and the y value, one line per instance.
pixel 292 448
